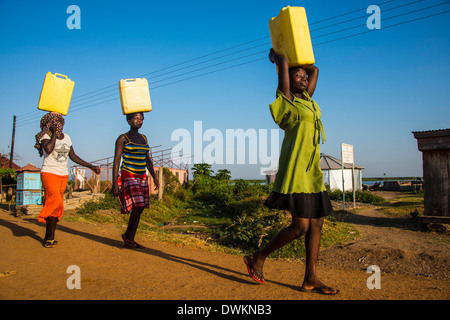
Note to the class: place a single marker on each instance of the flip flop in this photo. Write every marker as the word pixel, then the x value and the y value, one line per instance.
pixel 255 274
pixel 319 290
pixel 50 243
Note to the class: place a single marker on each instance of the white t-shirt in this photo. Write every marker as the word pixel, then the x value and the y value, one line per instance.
pixel 56 162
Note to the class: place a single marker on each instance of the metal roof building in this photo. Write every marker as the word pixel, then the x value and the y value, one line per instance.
pixel 332 173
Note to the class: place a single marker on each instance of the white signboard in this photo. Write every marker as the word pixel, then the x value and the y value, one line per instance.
pixel 347 153
pixel 347 157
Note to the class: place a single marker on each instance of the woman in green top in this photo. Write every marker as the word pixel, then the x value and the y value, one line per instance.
pixel 298 185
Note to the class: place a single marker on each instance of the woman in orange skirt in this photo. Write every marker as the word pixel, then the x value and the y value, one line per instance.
pixel 56 147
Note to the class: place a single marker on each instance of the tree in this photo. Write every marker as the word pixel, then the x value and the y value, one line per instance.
pixel 202 169
pixel 5 172
pixel 4 158
pixel 8 173
pixel 223 174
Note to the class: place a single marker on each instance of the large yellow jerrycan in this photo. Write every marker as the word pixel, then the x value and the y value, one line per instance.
pixel 290 37
pixel 134 95
pixel 56 93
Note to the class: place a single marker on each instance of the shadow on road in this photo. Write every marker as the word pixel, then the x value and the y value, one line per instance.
pixel 217 270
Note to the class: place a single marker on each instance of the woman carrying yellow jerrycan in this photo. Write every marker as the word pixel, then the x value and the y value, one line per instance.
pixel 56 148
pixel 133 149
pixel 298 185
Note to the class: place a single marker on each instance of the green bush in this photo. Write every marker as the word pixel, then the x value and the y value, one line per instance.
pixel 233 213
pixel 255 225
pixel 171 182
pixel 223 174
pixel 241 189
pixel 8 173
pixel 360 196
pixel 264 189
pixel 211 191
pixel 251 227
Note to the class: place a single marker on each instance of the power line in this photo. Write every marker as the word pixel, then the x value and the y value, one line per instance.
pixel 345 14
pixel 333 40
pixel 177 70
pixel 181 63
pixel 75 103
pixel 250 61
pixel 28 121
pixel 384 19
pixel 353 19
pixel 196 76
pixel 384 27
pixel 24 116
pixel 237 46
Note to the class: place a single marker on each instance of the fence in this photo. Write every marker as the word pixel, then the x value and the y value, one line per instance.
pixel 161 159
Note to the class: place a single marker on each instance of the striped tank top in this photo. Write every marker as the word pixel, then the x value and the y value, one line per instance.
pixel 134 157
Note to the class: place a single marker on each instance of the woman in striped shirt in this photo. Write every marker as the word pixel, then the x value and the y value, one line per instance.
pixel 133 149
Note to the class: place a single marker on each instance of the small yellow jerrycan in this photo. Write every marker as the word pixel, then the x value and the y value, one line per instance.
pixel 56 93
pixel 134 95
pixel 290 37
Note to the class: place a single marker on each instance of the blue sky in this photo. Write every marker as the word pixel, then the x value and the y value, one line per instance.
pixel 374 89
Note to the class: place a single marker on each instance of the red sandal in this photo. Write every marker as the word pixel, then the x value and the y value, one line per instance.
pixel 131 244
pixel 255 274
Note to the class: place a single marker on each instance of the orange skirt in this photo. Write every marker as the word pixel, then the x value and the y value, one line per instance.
pixel 54 186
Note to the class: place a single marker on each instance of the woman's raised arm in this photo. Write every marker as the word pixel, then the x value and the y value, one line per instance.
pixel 283 72
pixel 313 75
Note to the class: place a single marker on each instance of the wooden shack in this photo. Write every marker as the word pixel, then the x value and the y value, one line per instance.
pixel 435 148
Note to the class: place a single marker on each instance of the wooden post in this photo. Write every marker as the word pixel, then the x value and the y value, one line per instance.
pixel 343 179
pixel 353 184
pixel 161 183
pixel 107 169
pixel 75 173
pixel 96 183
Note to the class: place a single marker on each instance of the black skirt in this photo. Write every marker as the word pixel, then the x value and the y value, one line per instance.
pixel 303 205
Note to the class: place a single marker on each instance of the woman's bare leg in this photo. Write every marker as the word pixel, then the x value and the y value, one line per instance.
pixel 297 229
pixel 312 245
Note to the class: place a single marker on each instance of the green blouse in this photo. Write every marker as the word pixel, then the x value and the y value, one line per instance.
pixel 299 164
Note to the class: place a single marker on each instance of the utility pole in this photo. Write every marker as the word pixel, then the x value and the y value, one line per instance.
pixel 12 142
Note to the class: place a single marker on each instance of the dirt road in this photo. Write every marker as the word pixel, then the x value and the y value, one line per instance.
pixel 163 271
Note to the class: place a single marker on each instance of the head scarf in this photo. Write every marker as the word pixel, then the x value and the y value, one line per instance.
pixel 46 121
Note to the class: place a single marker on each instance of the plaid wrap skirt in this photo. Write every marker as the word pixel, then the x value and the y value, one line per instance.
pixel 134 193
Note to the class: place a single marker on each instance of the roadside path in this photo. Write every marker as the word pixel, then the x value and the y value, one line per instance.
pixel 165 271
